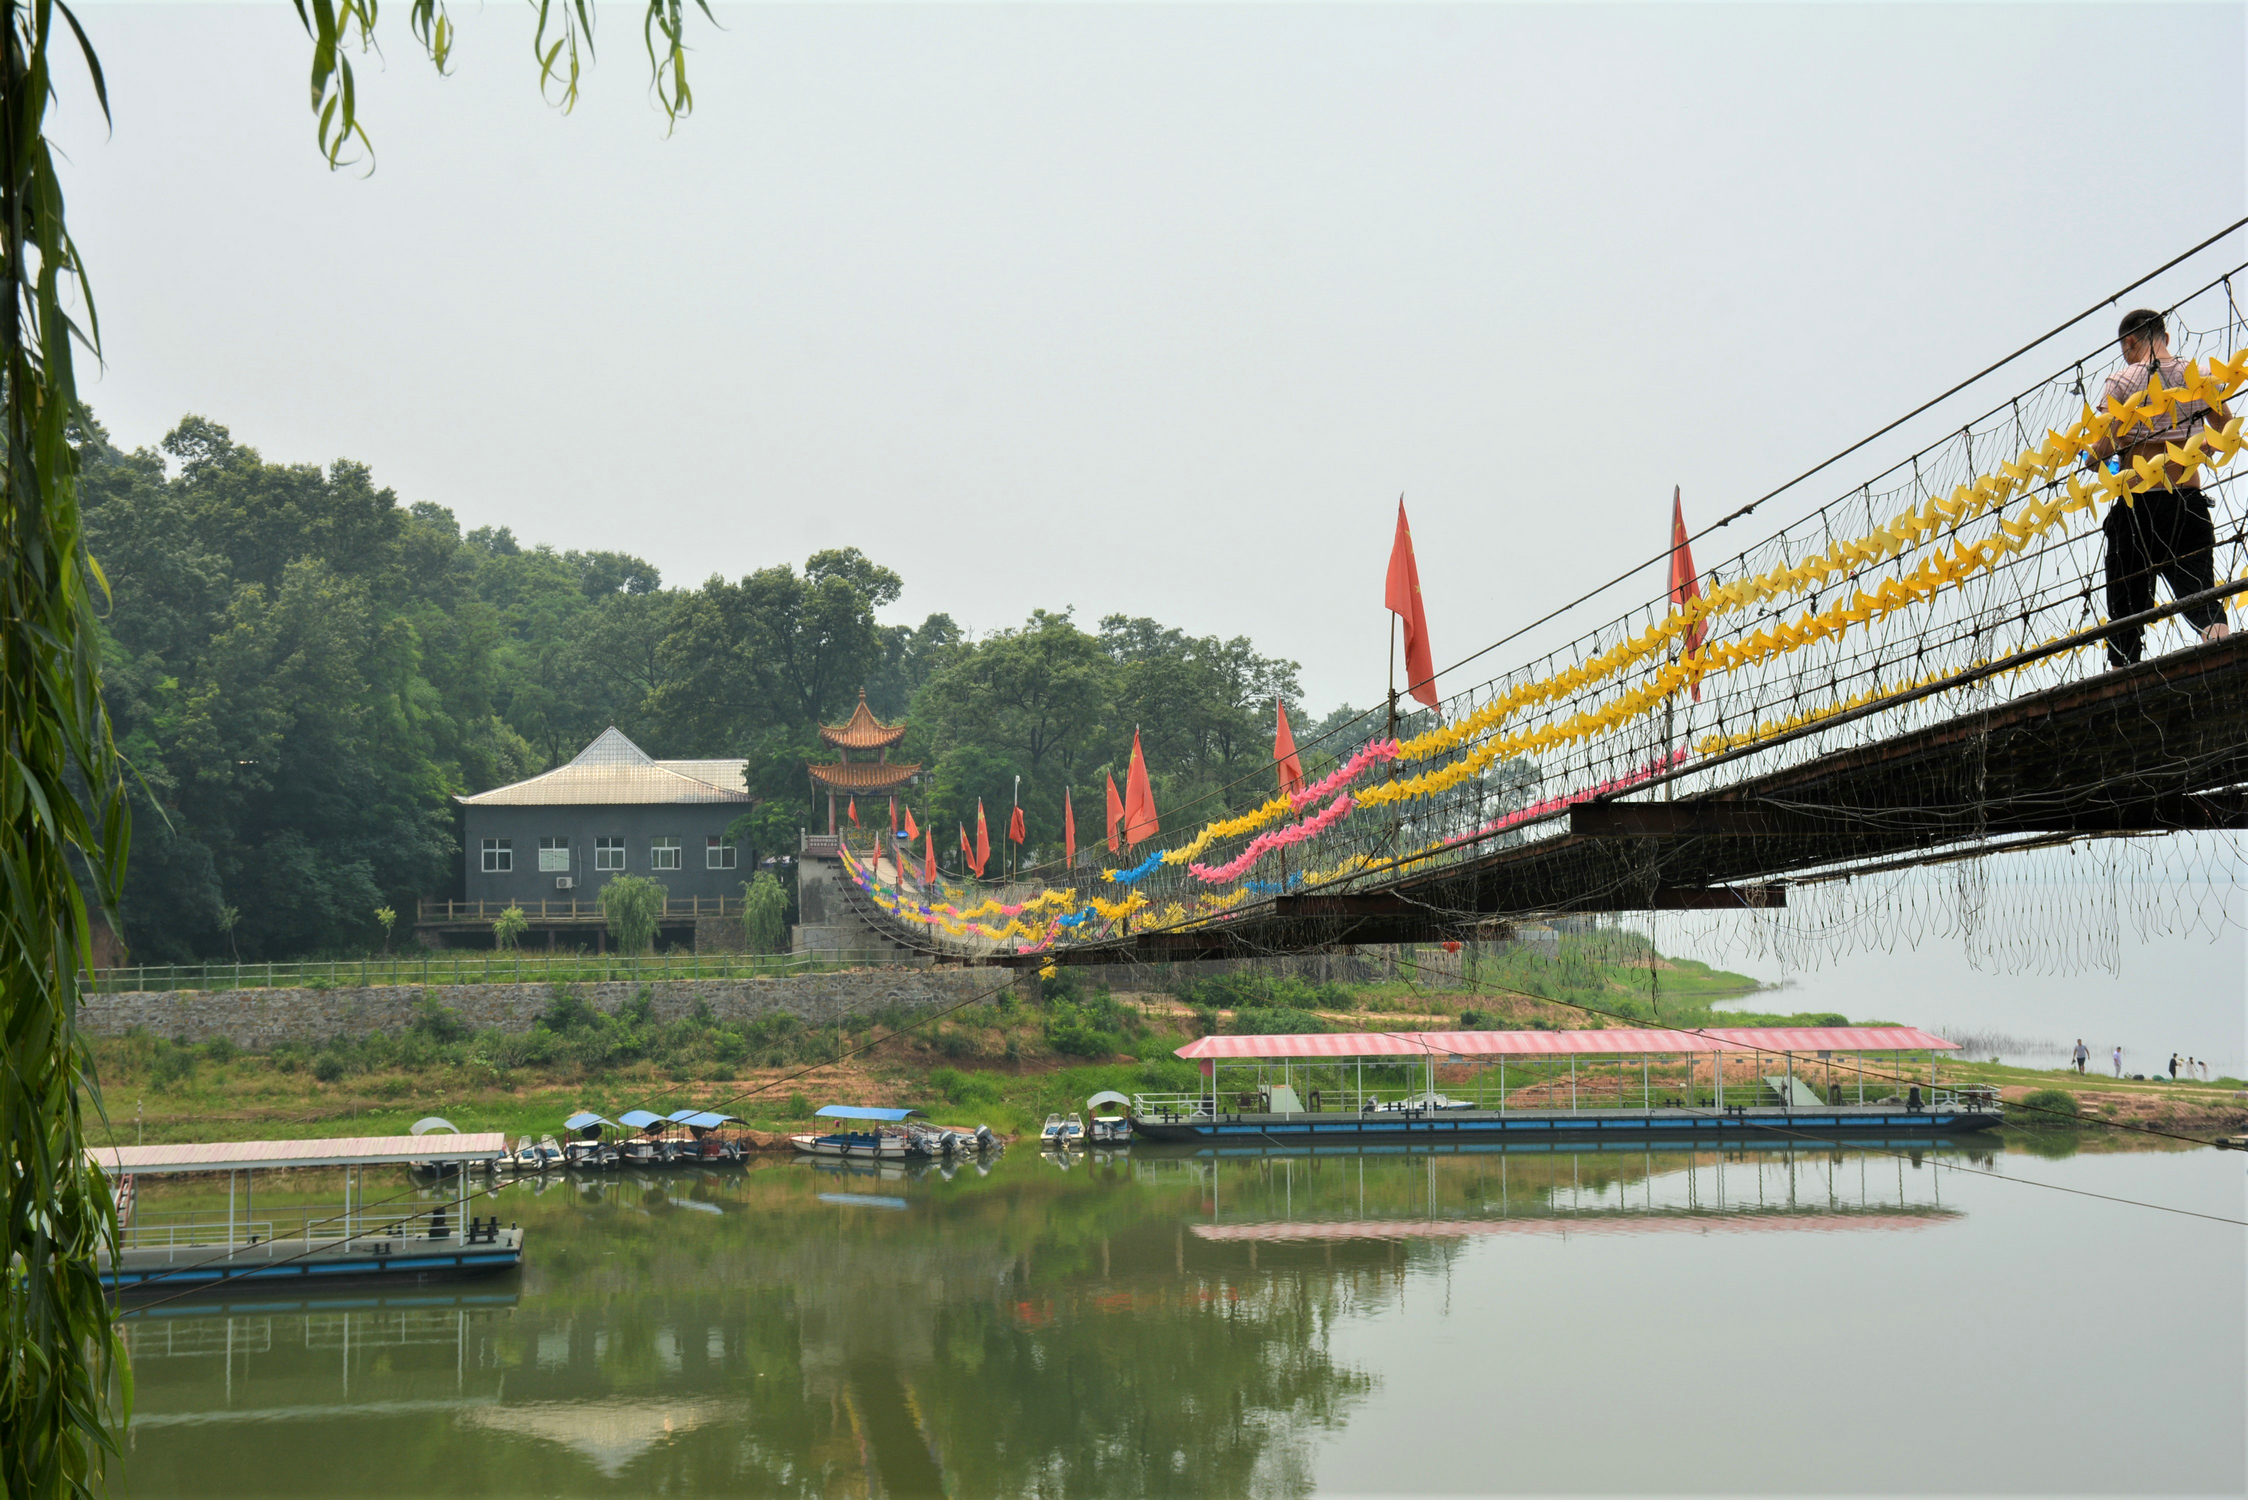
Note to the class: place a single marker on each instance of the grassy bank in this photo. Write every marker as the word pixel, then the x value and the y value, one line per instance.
pixel 1003 1061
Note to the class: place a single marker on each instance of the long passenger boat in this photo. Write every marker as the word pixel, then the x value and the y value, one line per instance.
pixel 392 1239
pixel 1621 1084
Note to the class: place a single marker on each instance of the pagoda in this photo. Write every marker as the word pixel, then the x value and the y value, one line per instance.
pixel 879 776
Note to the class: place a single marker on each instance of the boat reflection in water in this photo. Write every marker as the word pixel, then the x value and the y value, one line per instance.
pixel 1492 1190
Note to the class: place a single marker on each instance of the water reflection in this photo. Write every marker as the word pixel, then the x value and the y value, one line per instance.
pixel 1138 1323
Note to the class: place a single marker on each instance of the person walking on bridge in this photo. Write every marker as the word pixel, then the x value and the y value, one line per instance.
pixel 2165 531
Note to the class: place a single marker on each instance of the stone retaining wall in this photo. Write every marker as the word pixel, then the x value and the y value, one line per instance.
pixel 259 1018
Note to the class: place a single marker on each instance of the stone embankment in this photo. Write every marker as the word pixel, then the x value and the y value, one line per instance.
pixel 255 1018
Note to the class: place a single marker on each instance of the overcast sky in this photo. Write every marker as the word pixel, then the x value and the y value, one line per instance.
pixel 1152 309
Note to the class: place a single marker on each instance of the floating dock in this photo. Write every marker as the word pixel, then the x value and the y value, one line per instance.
pixel 1621 1085
pixel 386 1241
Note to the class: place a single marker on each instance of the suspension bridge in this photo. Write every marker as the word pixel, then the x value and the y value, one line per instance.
pixel 1916 672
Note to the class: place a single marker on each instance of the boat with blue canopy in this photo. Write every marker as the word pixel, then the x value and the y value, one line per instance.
pixel 888 1140
pixel 589 1147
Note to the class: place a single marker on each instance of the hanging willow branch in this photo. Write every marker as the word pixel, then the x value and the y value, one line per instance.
pixel 65 1385
pixel 339 28
pixel 66 823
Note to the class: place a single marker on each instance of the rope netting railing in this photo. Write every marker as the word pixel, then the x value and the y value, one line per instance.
pixel 1879 613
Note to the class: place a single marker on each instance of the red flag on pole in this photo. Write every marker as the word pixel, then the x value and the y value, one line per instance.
pixel 1115 815
pixel 1015 829
pixel 1402 594
pixel 983 840
pixel 912 830
pixel 1139 799
pixel 1069 832
pixel 929 858
pixel 1284 753
pixel 854 810
pixel 1685 583
pixel 967 850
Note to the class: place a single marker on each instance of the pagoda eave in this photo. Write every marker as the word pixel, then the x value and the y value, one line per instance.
pixel 863 776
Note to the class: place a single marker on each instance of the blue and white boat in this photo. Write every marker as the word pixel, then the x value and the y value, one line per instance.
pixel 887 1140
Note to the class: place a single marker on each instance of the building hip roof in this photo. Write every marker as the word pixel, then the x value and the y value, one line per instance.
pixel 613 772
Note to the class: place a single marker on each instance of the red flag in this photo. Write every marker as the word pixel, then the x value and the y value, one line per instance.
pixel 1402 594
pixel 1685 583
pixel 1069 832
pixel 1115 814
pixel 983 840
pixel 1284 753
pixel 929 858
pixel 853 807
pixel 967 850
pixel 1015 829
pixel 1139 799
pixel 912 831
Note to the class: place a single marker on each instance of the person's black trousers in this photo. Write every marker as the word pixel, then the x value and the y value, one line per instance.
pixel 2166 533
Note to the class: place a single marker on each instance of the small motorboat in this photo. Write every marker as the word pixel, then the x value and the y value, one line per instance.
pixel 1114 1127
pixel 649 1148
pixel 550 1155
pixel 890 1139
pixel 589 1149
pixel 1073 1130
pixel 704 1144
pixel 525 1157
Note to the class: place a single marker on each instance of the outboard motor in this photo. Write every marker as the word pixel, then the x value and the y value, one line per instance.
pixel 985 1140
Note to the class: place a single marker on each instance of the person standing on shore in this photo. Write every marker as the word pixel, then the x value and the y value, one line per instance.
pixel 2173 1067
pixel 2119 1062
pixel 2081 1056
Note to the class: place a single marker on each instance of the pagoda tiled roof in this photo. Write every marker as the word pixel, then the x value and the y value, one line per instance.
pixel 862 731
pixel 863 775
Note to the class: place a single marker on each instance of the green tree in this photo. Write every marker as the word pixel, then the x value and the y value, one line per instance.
pixel 508 928
pixel 631 904
pixel 765 914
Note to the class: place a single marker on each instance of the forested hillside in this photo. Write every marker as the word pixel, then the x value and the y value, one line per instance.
pixel 304 671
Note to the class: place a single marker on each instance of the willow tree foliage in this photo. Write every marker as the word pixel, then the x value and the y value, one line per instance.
pixel 632 905
pixel 62 788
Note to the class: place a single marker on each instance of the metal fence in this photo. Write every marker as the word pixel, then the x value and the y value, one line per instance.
pixel 465 967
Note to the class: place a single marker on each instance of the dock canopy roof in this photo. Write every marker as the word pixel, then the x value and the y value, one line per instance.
pixel 640 1119
pixel 1621 1040
pixel 864 1112
pixel 342 1151
pixel 580 1121
pixel 701 1119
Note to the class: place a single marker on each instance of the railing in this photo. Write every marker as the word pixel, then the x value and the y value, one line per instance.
pixel 464 967
pixel 675 909
pixel 306 1224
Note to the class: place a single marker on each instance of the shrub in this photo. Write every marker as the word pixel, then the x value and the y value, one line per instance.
pixel 438 1022
pixel 219 1050
pixel 963 1089
pixel 171 1065
pixel 799 1107
pixel 2046 1109
pixel 765 914
pixel 508 928
pixel 631 904
pixel 328 1067
pixel 1276 1020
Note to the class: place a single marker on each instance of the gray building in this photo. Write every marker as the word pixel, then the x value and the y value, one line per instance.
pixel 550 843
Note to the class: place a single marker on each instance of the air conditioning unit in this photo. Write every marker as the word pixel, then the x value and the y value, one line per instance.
pixel 565 883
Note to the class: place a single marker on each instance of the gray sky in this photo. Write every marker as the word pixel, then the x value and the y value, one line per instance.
pixel 1134 308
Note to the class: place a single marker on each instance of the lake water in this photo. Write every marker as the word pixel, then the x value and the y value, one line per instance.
pixel 1777 1321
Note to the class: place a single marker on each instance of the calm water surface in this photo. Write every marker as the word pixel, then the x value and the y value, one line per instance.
pixel 1769 1321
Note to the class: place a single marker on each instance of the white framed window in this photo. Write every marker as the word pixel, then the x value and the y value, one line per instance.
pixel 499 856
pixel 608 852
pixel 663 854
pixel 554 856
pixel 718 854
